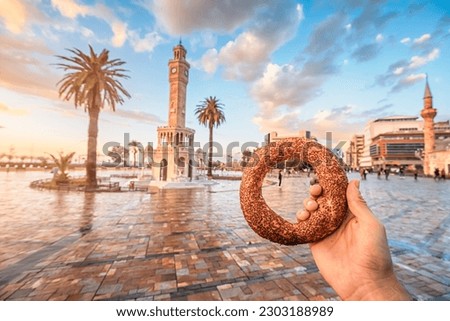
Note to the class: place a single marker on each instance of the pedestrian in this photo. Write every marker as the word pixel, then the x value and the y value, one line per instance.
pixel 361 173
pixel 365 174
pixel 443 174
pixel 280 178
pixel 379 173
pixel 415 174
pixel 436 174
pixel 386 173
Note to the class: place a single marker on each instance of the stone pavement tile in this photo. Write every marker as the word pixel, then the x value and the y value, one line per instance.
pixel 259 290
pixel 17 251
pixel 172 243
pixel 212 295
pixel 148 229
pixel 138 278
pixel 206 267
pixel 75 253
pixel 60 283
pixel 8 290
pixel 258 260
pixel 222 238
pixel 119 249
pixel 312 285
pixel 248 236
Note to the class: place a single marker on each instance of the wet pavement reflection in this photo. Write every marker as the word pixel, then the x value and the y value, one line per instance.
pixel 194 244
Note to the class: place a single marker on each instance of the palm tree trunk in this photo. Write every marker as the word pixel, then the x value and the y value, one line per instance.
pixel 210 151
pixel 91 162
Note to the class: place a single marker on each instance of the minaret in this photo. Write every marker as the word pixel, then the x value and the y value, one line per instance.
pixel 428 113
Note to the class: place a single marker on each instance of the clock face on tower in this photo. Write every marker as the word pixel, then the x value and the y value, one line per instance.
pixel 174 70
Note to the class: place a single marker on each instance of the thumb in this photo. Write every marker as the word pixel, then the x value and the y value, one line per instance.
pixel 356 203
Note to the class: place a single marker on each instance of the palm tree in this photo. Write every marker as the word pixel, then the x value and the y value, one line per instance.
pixel 92 82
pixel 63 165
pixel 210 114
pixel 134 146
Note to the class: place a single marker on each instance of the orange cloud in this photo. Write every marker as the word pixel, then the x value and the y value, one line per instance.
pixel 13 111
pixel 14 15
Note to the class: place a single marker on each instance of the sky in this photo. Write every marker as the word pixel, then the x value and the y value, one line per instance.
pixel 284 66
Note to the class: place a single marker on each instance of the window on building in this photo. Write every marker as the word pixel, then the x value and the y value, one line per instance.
pixel 409 148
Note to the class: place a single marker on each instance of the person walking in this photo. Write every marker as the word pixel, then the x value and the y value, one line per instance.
pixel 361 173
pixel 386 173
pixel 436 174
pixel 280 178
pixel 442 174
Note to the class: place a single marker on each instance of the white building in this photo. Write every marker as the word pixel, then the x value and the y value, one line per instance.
pixel 386 125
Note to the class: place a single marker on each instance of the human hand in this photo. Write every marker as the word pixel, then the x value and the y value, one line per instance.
pixel 355 260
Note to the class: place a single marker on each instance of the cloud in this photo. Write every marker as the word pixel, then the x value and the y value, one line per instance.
pixel 371 17
pixel 119 30
pixel 418 61
pixel 408 81
pixel 139 116
pixel 12 111
pixel 287 85
pixel 245 57
pixel 121 33
pixel 23 68
pixel 185 17
pixel 210 61
pixel 14 15
pixel 422 39
pixel 400 74
pixel 18 14
pixel 340 121
pixel 369 20
pixel 366 52
pixel 283 90
pixel 145 44
pixel 405 40
pixel 267 29
pixel 70 8
pixel 326 36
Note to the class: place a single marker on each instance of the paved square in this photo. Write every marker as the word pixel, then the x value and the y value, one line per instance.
pixel 194 244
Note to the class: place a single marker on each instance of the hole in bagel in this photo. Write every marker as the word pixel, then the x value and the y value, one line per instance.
pixel 288 198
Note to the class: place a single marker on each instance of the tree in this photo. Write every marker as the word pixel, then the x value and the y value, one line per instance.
pixel 62 163
pixel 210 113
pixel 134 147
pixel 91 80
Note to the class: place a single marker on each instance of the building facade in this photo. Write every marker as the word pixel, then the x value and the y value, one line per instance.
pixel 354 152
pixel 274 137
pixel 397 149
pixel 175 150
pixel 401 125
pixel 405 141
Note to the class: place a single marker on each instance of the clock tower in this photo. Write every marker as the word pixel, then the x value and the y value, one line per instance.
pixel 173 159
pixel 178 79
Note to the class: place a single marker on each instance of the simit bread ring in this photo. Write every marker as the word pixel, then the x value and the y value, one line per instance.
pixel 332 202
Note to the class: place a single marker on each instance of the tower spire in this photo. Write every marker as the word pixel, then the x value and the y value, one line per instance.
pixel 428 113
pixel 427 93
